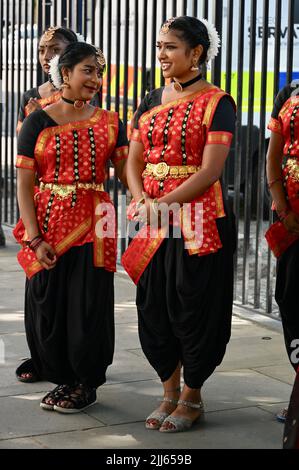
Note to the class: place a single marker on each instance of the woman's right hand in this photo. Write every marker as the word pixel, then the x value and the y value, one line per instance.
pixel 291 223
pixel 46 256
pixel 33 105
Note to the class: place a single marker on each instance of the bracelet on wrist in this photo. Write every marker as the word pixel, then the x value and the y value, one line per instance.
pixel 37 244
pixel 34 243
pixel 27 242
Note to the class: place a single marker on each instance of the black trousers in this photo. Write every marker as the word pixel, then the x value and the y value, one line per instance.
pixel 184 307
pixel 286 296
pixel 69 319
pixel 291 428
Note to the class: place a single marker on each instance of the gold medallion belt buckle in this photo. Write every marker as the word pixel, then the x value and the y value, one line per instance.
pixel 60 190
pixel 161 170
pixel 63 191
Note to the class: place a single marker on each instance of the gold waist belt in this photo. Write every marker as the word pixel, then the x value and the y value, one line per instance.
pixel 161 170
pixel 65 190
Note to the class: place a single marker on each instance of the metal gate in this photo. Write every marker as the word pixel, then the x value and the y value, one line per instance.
pixel 258 56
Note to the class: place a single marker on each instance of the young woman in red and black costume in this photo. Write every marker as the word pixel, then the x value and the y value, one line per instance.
pixel 181 138
pixel 52 42
pixel 283 235
pixel 69 262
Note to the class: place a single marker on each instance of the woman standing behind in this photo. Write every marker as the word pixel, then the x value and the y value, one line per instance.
pixel 283 235
pixel 68 257
pixel 179 146
pixel 53 42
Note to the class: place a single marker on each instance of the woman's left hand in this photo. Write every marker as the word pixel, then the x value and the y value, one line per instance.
pixel 145 213
pixel 142 213
pixel 148 208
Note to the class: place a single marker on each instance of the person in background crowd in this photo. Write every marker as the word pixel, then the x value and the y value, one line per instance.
pixel 283 235
pixel 52 42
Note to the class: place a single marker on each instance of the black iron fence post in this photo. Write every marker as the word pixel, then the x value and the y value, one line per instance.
pixel 2 237
pixel 216 68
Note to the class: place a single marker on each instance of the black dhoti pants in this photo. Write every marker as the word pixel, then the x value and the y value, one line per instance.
pixel 286 296
pixel 184 307
pixel 69 319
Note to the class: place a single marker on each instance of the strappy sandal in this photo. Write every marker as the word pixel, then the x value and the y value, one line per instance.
pixel 27 368
pixel 179 423
pixel 159 416
pixel 51 398
pixel 79 397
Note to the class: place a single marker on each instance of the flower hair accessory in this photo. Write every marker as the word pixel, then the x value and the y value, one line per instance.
pixel 214 39
pixel 54 72
pixel 80 37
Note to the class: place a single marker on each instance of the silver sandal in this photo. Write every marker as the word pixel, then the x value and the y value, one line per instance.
pixel 183 424
pixel 159 416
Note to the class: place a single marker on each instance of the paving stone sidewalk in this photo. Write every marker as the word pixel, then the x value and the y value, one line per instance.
pixel 241 398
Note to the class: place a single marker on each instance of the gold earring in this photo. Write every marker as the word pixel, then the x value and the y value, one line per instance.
pixel 194 66
pixel 65 82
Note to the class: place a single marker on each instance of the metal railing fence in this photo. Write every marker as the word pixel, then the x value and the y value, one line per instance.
pixel 258 55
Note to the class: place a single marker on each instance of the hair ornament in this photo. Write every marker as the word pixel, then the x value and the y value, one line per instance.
pixel 100 58
pixel 49 33
pixel 54 72
pixel 214 39
pixel 80 37
pixel 165 26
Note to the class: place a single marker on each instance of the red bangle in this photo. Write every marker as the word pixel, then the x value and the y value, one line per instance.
pixel 35 242
pixel 27 242
pixel 35 246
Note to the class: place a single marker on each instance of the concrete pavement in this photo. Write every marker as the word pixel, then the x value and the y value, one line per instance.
pixel 241 398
